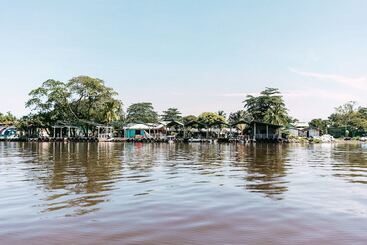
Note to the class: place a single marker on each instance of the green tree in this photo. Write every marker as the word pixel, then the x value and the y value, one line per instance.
pixel 142 112
pixel 8 118
pixel 82 98
pixel 30 120
pixel 222 113
pixel 239 116
pixel 211 118
pixel 349 115
pixel 268 107
pixel 319 124
pixel 189 119
pixel 171 114
pixel 91 100
pixel 50 102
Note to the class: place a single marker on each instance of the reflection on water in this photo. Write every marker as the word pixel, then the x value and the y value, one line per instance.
pixel 350 163
pixel 76 177
pixel 175 184
pixel 265 168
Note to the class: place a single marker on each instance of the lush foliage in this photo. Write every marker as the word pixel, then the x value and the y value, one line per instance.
pixel 81 99
pixel 86 99
pixel 222 113
pixel 92 100
pixel 7 118
pixel 142 113
pixel 319 124
pixel 190 120
pixel 349 115
pixel 268 107
pixel 171 114
pixel 211 119
pixel 239 116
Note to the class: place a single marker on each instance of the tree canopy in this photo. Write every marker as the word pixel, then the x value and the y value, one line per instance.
pixel 211 118
pixel 82 98
pixel 141 112
pixel 171 114
pixel 268 107
pixel 349 115
pixel 239 116
pixel 222 113
pixel 92 100
pixel 87 99
pixel 190 120
pixel 320 124
pixel 7 118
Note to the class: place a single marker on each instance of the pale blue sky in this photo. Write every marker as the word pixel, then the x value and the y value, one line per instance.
pixel 193 55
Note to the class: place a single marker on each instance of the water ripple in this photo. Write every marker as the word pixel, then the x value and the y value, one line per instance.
pixel 182 193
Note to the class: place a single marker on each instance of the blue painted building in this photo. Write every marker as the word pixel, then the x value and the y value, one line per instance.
pixel 7 132
pixel 139 130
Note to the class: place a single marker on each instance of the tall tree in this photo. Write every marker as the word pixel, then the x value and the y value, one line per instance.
pixel 92 100
pixel 171 114
pixel 142 112
pixel 211 118
pixel 268 107
pixel 82 98
pixel 222 113
pixel 189 119
pixel 50 102
pixel 239 116
pixel 349 115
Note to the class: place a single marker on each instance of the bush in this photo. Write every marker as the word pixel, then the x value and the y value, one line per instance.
pixel 303 140
pixel 316 141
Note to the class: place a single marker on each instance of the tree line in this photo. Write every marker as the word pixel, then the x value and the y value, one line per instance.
pixel 84 100
pixel 349 116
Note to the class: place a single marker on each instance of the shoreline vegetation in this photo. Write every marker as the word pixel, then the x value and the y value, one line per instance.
pixel 85 109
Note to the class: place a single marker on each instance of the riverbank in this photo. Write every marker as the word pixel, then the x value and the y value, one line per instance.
pixel 201 141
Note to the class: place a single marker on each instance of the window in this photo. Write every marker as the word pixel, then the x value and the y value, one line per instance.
pixel 137 132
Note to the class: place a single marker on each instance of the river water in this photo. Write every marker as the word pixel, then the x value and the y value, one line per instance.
pixel 125 193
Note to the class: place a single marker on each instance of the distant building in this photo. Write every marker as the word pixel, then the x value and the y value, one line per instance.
pixel 293 131
pixel 302 129
pixel 145 131
pixel 261 130
pixel 313 132
pixel 7 132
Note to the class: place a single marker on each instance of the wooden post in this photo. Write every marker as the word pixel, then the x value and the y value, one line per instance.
pixel 267 131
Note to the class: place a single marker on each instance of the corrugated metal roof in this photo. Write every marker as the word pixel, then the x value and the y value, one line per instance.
pixel 141 126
